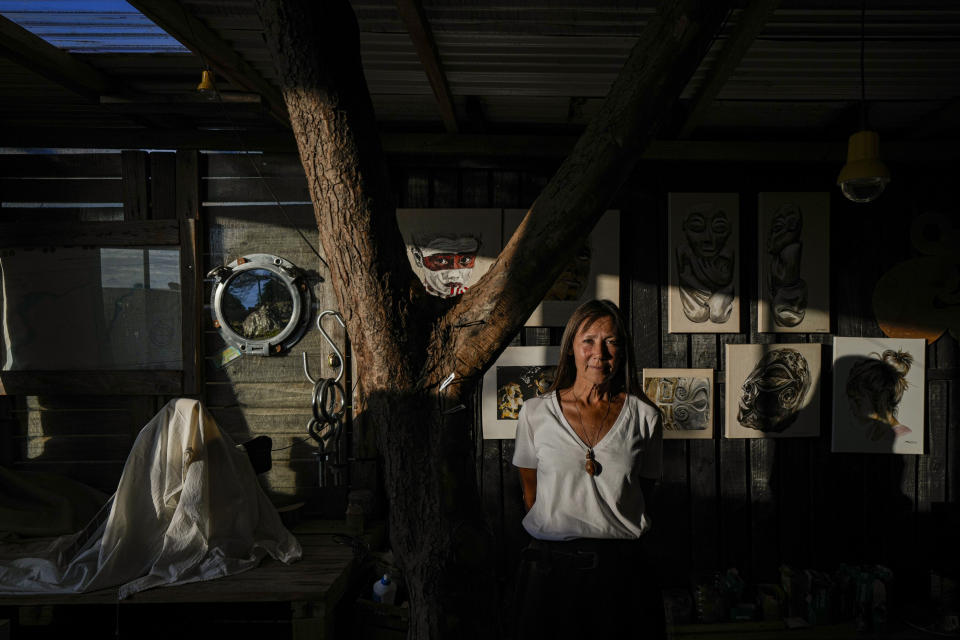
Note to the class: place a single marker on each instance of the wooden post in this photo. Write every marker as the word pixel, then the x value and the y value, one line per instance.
pixel 191 265
pixel 134 172
pixel 163 195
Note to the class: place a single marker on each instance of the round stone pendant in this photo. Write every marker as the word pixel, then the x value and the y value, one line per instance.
pixel 590 465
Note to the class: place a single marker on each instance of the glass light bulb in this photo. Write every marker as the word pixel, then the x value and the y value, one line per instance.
pixel 863 189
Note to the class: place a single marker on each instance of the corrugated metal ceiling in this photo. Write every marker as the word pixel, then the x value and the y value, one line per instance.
pixel 546 63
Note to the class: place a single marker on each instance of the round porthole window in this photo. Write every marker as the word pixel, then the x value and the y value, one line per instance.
pixel 260 303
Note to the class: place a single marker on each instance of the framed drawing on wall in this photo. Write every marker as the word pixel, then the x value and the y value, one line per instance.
pixel 520 373
pixel 449 249
pixel 685 399
pixel 878 395
pixel 594 271
pixel 793 246
pixel 773 390
pixel 704 273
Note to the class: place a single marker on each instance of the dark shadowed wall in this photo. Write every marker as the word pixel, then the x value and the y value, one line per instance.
pixel 749 504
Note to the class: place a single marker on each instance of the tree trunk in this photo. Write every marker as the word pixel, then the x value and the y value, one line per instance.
pixel 435 518
pixel 406 341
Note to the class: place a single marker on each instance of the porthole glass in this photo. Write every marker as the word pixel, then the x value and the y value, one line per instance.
pixel 261 303
pixel 257 304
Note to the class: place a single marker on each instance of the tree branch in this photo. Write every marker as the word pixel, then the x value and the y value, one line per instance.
pixel 669 50
pixel 332 118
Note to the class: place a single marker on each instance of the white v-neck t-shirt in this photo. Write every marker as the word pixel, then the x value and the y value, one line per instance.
pixel 572 504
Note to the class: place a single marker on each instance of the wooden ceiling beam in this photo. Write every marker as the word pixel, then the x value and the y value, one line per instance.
pixel 56 65
pixel 752 20
pixel 32 52
pixel 451 148
pixel 42 137
pixel 219 55
pixel 413 16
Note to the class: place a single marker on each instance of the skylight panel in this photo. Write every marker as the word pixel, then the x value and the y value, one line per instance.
pixel 91 26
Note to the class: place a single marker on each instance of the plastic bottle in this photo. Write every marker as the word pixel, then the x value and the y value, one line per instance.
pixel 384 590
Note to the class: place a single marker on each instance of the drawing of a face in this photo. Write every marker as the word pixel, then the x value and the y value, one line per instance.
pixel 447 263
pixel 573 281
pixel 685 402
pixel 705 265
pixel 707 229
pixel 773 393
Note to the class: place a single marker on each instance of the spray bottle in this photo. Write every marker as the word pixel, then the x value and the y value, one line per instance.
pixel 385 590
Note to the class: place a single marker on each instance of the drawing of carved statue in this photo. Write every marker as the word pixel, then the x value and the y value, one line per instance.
pixel 705 265
pixel 874 389
pixel 788 291
pixel 773 393
pixel 446 262
pixel 684 401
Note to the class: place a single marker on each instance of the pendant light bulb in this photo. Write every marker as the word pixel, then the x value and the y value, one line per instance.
pixel 864 177
pixel 206 83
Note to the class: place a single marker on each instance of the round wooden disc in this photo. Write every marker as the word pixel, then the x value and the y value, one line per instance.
pixel 912 300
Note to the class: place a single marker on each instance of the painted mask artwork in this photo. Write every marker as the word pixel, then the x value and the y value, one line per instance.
pixel 517 383
pixel 773 393
pixel 788 291
pixel 684 402
pixel 571 284
pixel 445 262
pixel 705 265
pixel 874 387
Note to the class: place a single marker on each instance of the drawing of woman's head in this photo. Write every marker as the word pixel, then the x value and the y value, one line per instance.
pixel 876 384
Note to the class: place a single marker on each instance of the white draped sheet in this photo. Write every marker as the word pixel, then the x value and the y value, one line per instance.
pixel 188 507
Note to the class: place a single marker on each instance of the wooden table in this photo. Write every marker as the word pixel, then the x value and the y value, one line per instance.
pixel 311 587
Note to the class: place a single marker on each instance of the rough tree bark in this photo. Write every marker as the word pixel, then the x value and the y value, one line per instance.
pixel 405 341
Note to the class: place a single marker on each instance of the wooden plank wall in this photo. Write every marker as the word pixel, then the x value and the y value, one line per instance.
pixel 753 505
pixel 85 437
pixel 252 203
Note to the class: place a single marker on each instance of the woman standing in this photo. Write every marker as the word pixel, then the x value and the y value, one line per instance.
pixel 589 453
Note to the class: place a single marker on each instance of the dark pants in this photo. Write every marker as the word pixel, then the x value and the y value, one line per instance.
pixel 587 587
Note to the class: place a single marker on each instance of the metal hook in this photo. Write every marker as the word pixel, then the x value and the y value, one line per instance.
pixel 339 318
pixel 306 371
pixel 339 354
